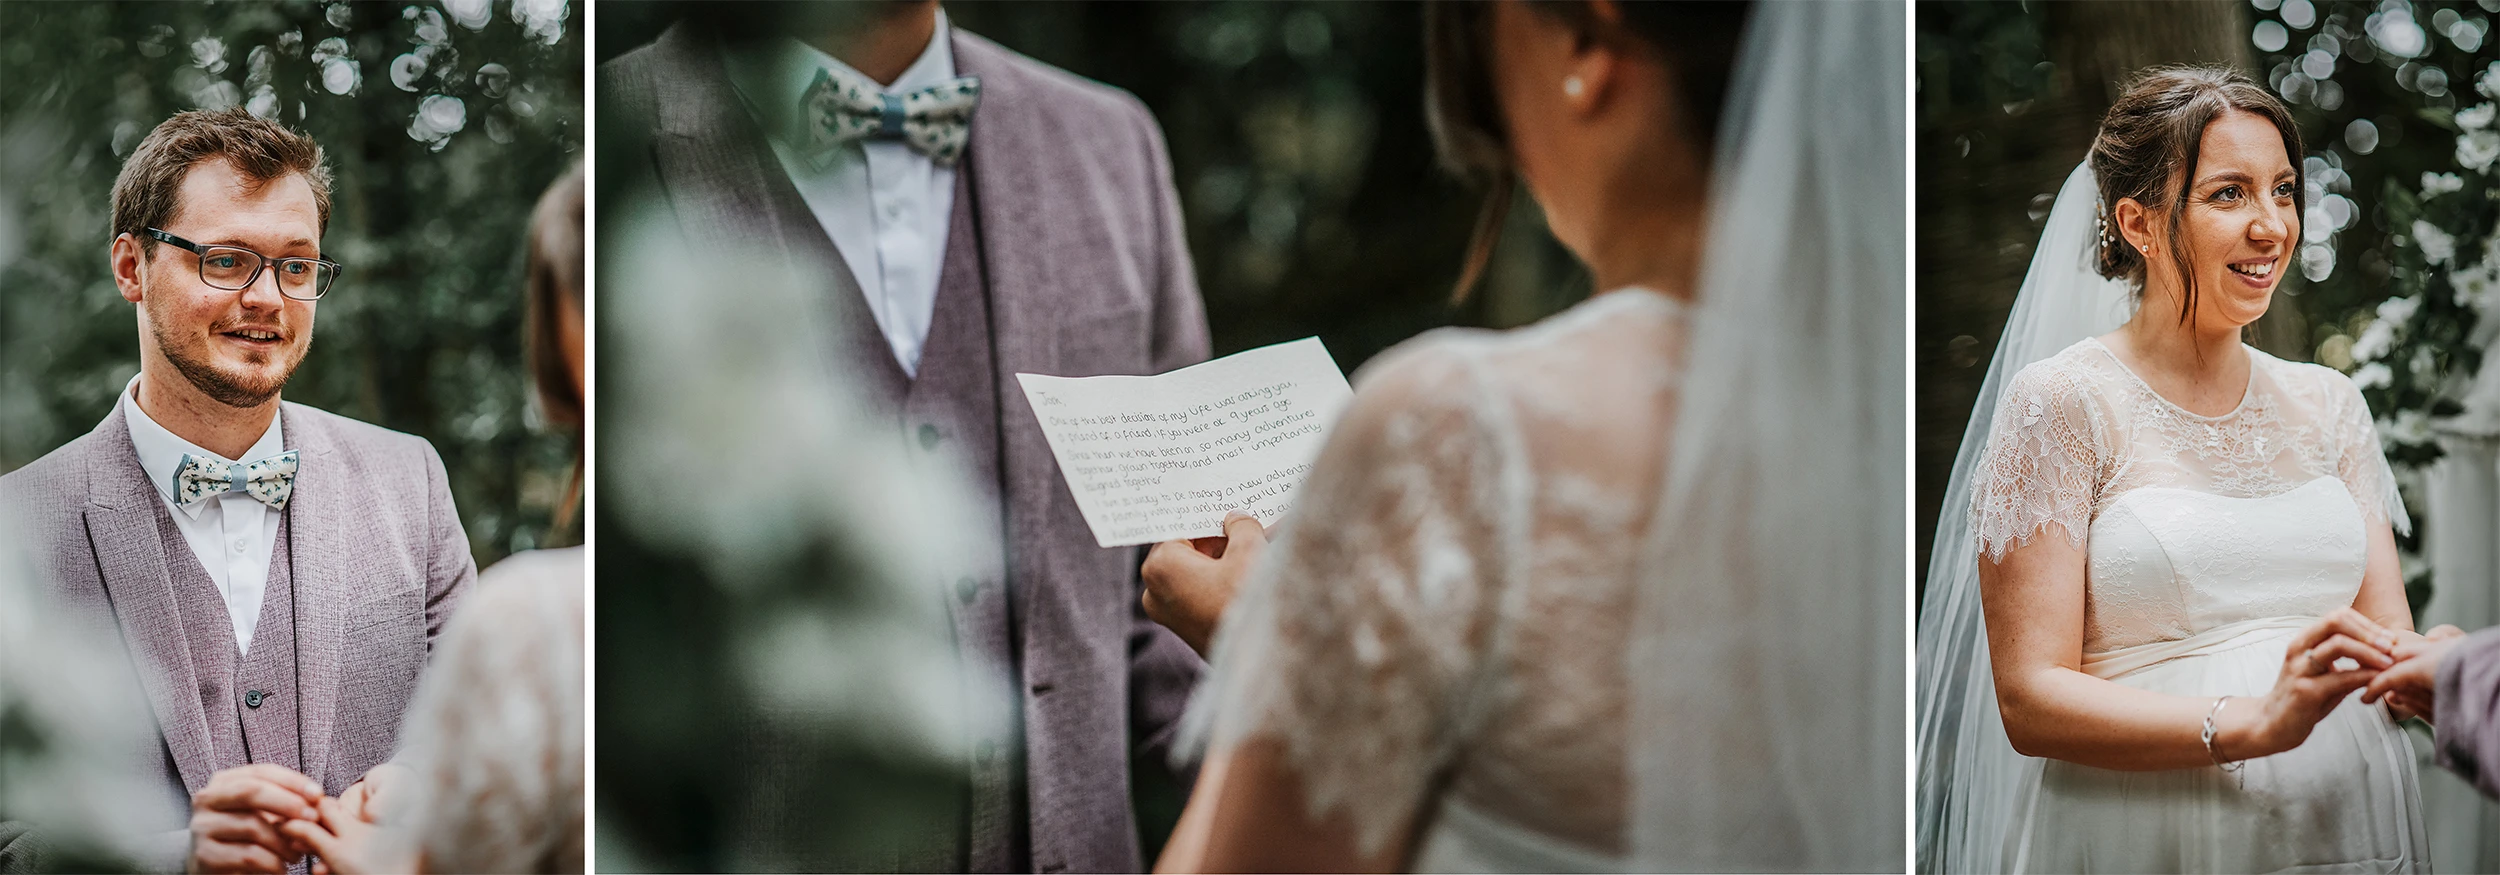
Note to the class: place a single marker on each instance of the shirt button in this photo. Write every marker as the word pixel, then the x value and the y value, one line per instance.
pixel 252 699
pixel 238 545
pixel 928 436
pixel 968 588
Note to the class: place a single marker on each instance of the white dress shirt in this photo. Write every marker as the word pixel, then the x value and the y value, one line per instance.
pixel 885 206
pixel 232 533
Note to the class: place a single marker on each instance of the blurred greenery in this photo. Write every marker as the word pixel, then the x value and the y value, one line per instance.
pixel 442 123
pixel 2008 97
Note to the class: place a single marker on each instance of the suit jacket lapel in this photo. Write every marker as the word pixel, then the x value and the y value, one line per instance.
pixel 130 556
pixel 732 197
pixel 323 531
pixel 1006 141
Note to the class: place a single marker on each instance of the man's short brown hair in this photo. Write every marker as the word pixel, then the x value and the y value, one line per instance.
pixel 145 194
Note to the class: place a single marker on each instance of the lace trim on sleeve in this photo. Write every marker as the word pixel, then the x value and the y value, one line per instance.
pixel 2043 463
pixel 1355 644
pixel 2362 464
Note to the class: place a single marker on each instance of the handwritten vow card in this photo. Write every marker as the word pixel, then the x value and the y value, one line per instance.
pixel 1162 457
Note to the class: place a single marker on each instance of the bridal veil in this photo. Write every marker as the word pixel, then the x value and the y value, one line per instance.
pixel 1768 660
pixel 1968 772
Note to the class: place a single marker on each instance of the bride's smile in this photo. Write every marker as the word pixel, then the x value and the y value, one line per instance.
pixel 2239 223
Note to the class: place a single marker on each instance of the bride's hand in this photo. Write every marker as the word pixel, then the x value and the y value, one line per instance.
pixel 2310 686
pixel 1188 583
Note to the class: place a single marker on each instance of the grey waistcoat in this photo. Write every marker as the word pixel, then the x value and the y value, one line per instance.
pixel 951 410
pixel 250 699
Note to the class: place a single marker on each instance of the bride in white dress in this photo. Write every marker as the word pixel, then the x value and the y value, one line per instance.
pixel 2184 547
pixel 1619 590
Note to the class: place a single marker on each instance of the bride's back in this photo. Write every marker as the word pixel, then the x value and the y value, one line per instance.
pixel 1593 395
pixel 1439 636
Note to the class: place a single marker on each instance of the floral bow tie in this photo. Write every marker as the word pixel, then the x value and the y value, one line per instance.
pixel 270 480
pixel 936 121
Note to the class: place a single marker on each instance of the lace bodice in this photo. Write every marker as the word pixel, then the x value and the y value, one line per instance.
pixel 2188 522
pixel 1444 614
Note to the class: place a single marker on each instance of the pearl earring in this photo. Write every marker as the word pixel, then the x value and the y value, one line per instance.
pixel 1572 86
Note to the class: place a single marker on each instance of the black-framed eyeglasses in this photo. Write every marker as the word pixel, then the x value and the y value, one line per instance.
pixel 235 268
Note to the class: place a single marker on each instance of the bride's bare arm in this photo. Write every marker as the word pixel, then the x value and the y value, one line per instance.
pixel 2382 597
pixel 1247 815
pixel 2034 602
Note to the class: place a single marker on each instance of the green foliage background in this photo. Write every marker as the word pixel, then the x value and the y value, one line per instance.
pixel 423 332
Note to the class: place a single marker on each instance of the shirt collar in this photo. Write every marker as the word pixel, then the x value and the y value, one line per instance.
pixel 773 80
pixel 160 450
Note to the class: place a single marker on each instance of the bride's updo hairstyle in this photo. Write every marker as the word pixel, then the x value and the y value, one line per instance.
pixel 1697 41
pixel 2147 150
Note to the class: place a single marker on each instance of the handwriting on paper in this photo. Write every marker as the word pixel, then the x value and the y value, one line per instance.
pixel 1155 458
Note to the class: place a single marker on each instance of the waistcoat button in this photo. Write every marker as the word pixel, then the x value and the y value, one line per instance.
pixel 252 699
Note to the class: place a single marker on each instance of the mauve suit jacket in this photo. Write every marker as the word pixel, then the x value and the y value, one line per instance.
pixel 378 561
pixel 1088 273
pixel 2467 708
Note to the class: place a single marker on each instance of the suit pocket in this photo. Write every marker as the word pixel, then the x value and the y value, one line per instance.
pixel 1105 342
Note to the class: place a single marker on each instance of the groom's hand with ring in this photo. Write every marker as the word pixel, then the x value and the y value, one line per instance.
pixel 236 819
pixel 2408 685
pixel 1189 582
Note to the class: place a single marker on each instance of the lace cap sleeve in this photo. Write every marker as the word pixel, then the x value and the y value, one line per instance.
pixel 1354 644
pixel 2044 462
pixel 2359 460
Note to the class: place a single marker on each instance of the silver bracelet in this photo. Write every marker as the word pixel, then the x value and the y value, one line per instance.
pixel 2231 766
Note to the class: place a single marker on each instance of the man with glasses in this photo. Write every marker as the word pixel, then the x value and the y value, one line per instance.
pixel 276 573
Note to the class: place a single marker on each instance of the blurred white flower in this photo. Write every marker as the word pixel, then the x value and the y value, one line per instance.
pixel 543 20
pixel 749 452
pixel 2397 311
pixel 2476 118
pixel 2374 341
pixel 73 721
pixel 493 79
pixel 2489 82
pixel 339 76
pixel 209 53
pixel 2478 287
pixel 2477 149
pixel 406 70
pixel 471 14
pixel 2373 375
pixel 263 103
pixel 2408 427
pixel 2436 184
pixel 2437 245
pixel 217 94
pixel 2395 32
pixel 430 29
pixel 438 117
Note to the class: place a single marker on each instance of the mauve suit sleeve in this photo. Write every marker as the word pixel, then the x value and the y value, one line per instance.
pixel 449 569
pixel 2467 707
pixel 1163 670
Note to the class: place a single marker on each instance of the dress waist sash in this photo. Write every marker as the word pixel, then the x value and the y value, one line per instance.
pixel 2114 664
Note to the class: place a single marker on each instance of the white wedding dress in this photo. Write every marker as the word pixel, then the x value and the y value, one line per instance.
pixel 1437 634
pixel 2210 541
pixel 1621 590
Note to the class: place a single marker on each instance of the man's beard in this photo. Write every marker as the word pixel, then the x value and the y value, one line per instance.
pixel 227 389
